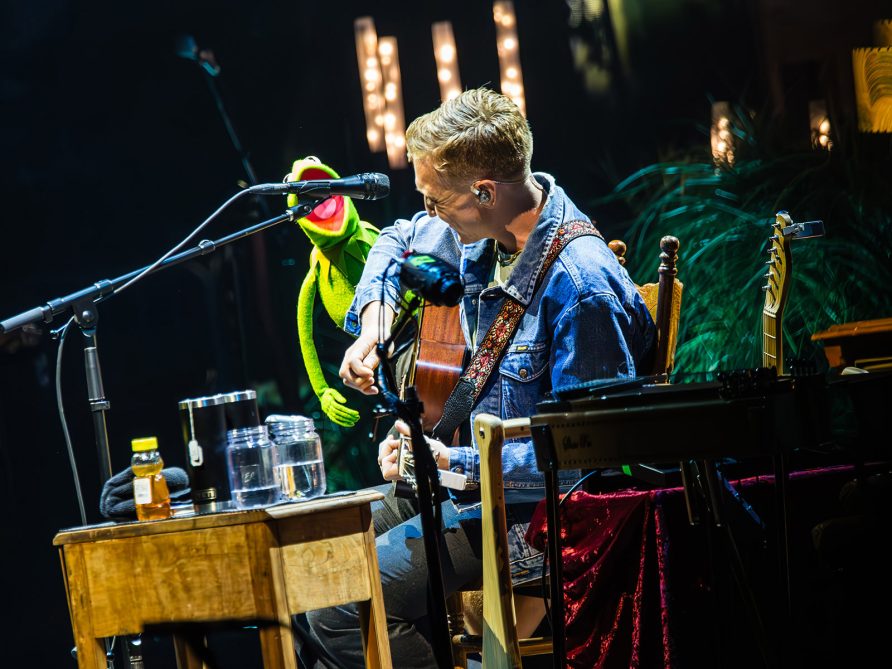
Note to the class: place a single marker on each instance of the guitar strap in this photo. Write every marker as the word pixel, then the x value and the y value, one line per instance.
pixel 463 397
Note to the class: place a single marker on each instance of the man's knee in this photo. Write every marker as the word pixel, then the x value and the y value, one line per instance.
pixel 333 621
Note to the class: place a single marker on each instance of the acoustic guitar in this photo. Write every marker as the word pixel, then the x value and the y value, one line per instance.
pixel 436 362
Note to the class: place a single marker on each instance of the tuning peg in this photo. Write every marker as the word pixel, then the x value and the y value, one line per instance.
pixel 765 287
pixel 767 275
pixel 773 250
pixel 771 262
pixel 774 238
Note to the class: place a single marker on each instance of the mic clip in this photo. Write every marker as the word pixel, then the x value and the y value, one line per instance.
pixel 303 209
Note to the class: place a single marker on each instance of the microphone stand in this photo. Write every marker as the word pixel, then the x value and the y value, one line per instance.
pixel 409 409
pixel 83 305
pixel 86 315
pixel 102 290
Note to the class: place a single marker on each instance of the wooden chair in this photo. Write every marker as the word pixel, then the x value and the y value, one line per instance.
pixel 663 300
pixel 494 629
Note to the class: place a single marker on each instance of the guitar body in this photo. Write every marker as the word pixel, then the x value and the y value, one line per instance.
pixel 434 368
pixel 439 354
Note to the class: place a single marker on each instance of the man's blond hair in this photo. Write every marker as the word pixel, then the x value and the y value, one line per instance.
pixel 480 134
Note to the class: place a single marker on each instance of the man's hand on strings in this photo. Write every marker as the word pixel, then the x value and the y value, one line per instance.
pixel 388 455
pixel 388 451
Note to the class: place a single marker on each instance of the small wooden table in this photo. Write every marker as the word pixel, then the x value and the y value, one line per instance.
pixel 261 565
pixel 865 344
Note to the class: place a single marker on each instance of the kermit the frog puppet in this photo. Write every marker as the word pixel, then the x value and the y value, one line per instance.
pixel 341 243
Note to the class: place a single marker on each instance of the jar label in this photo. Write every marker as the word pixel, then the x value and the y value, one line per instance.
pixel 142 490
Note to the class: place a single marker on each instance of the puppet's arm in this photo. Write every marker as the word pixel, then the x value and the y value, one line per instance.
pixel 333 403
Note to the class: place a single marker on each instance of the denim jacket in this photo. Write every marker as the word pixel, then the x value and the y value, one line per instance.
pixel 586 321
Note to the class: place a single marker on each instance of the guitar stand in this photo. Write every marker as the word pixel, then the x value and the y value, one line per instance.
pixel 713 489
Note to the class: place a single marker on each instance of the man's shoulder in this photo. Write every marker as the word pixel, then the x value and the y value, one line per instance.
pixel 590 253
pixel 591 267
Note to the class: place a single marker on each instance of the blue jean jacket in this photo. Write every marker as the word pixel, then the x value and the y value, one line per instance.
pixel 586 321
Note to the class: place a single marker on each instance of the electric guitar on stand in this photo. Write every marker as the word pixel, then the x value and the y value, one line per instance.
pixel 777 288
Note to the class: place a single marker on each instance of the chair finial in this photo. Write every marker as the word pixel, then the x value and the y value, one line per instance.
pixel 618 247
pixel 669 246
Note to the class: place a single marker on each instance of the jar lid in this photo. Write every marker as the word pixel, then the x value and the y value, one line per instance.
pixel 250 431
pixel 220 398
pixel 144 444
pixel 278 423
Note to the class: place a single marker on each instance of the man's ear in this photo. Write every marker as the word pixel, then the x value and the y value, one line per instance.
pixel 484 193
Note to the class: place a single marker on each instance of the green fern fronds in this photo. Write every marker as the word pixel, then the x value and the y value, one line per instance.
pixel 723 217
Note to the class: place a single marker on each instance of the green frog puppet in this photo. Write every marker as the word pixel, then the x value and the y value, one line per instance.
pixel 341 243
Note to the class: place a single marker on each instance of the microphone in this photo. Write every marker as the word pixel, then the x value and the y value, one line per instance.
pixel 365 186
pixel 187 48
pixel 435 280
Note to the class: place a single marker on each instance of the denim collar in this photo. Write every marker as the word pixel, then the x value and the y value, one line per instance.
pixel 521 285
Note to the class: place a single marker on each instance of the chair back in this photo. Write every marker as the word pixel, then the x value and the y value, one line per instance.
pixel 663 300
pixel 501 647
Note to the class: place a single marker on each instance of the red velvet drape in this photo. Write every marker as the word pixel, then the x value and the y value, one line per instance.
pixel 644 588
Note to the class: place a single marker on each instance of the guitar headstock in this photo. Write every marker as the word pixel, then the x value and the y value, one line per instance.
pixel 779 267
pixel 776 289
pixel 779 275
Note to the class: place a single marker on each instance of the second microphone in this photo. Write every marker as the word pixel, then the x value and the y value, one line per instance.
pixel 365 186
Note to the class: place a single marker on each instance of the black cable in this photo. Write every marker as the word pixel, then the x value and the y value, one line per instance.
pixel 182 243
pixel 61 409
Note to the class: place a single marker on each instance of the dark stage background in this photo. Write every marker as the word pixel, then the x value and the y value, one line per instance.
pixel 113 150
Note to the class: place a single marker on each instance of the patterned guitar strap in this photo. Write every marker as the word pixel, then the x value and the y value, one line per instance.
pixel 464 395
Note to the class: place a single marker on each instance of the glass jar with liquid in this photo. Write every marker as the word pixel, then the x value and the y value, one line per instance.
pixel 301 468
pixel 251 461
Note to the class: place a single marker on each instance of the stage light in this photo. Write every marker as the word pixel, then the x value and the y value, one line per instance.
pixel 509 56
pixel 446 57
pixel 721 134
pixel 394 117
pixel 370 75
pixel 819 123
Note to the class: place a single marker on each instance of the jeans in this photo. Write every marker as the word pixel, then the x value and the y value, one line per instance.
pixel 334 632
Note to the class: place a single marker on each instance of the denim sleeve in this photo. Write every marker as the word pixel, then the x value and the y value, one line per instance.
pixel 592 342
pixel 390 245
pixel 589 343
pixel 465 460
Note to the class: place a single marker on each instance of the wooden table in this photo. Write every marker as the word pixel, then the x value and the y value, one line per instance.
pixel 864 344
pixel 256 566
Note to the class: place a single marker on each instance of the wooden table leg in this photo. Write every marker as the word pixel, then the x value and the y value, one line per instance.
pixel 277 645
pixel 90 650
pixel 185 645
pixel 276 637
pixel 91 654
pixel 372 616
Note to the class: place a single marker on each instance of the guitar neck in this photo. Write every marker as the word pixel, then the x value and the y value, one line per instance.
pixel 772 342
